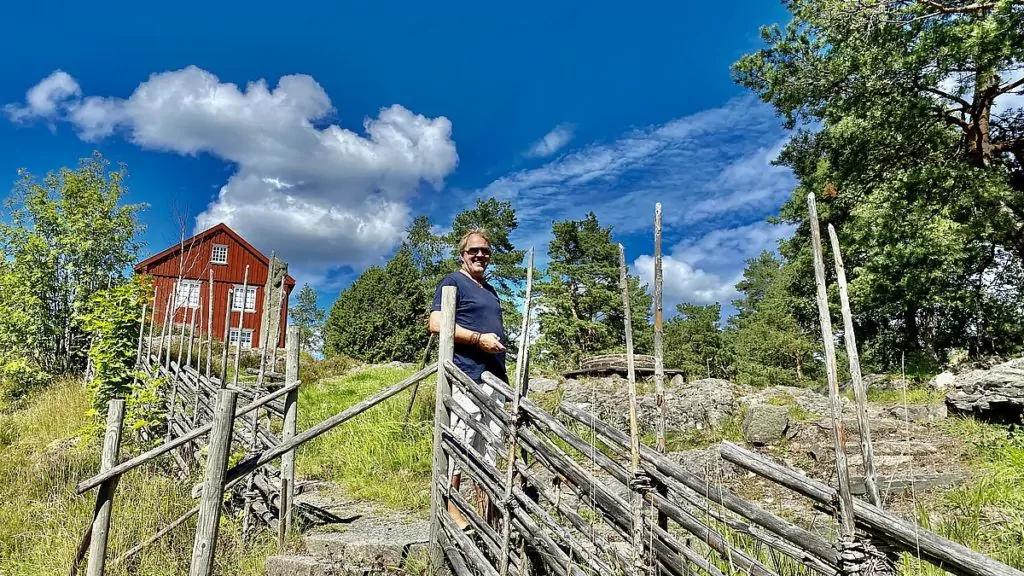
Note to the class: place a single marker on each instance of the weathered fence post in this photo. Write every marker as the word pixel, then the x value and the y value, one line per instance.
pixel 213 484
pixel 659 352
pixel 105 495
pixel 291 408
pixel 439 475
pixel 241 321
pixel 142 331
pixel 209 328
pixel 152 321
pixel 227 338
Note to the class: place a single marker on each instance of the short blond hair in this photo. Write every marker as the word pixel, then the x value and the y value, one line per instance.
pixel 481 232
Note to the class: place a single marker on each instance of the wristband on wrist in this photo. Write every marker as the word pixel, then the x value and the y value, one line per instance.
pixel 475 338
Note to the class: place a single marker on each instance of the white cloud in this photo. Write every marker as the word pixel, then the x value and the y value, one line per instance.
pixel 552 141
pixel 45 98
pixel 321 195
pixel 706 269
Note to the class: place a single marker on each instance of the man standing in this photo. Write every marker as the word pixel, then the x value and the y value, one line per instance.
pixel 479 348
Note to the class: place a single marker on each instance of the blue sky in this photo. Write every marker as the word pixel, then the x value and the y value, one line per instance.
pixel 319 130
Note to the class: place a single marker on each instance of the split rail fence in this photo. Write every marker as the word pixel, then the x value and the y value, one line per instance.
pixel 573 495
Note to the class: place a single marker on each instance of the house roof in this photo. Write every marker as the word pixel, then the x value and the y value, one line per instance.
pixel 222 227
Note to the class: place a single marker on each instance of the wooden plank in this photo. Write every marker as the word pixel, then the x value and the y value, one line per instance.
pixel 291 420
pixel 227 337
pixel 209 328
pixel 513 436
pixel 636 499
pixel 659 352
pixel 105 496
pixel 909 537
pixel 846 514
pixel 438 502
pixel 866 448
pixel 241 322
pixel 207 525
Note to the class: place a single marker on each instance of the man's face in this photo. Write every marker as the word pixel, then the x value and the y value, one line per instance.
pixel 476 255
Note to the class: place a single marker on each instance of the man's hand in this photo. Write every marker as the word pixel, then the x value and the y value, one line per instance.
pixel 490 343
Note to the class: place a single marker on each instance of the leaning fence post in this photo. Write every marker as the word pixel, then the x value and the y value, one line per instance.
pixel 105 495
pixel 291 408
pixel 213 484
pixel 439 475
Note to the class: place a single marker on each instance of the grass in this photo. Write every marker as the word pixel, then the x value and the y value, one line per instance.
pixel 914 395
pixel 372 457
pixel 42 457
pixel 986 513
pixel 796 411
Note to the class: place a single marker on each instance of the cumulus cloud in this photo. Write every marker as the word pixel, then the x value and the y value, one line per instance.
pixel 552 142
pixel 321 195
pixel 706 269
pixel 45 98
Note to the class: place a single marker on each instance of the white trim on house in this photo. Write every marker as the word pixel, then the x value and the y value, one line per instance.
pixel 219 254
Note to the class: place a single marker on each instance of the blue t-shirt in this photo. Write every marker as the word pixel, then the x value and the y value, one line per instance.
pixel 477 309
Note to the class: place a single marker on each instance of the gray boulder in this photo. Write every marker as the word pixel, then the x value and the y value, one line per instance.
pixel 919 412
pixel 995 393
pixel 699 404
pixel 765 424
pixel 542 385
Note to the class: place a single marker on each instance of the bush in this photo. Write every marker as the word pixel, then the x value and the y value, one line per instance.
pixel 312 370
pixel 18 377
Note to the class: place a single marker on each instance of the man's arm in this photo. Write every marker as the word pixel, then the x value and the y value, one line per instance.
pixel 486 342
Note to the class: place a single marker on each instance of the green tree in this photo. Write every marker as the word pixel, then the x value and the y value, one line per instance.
pixel 766 342
pixel 309 318
pixel 382 316
pixel 579 299
pixel 67 237
pixel 693 341
pixel 112 320
pixel 916 158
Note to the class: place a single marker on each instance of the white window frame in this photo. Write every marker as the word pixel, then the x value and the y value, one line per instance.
pixel 250 301
pixel 186 293
pixel 213 254
pixel 247 338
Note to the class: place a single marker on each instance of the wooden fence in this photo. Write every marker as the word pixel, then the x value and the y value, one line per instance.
pixel 572 495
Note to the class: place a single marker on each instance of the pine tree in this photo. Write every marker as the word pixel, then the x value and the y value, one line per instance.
pixel 309 317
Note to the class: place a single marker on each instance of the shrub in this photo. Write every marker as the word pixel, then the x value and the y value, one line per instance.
pixel 112 318
pixel 18 377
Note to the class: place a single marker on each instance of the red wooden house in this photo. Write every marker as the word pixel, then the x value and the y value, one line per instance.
pixel 184 271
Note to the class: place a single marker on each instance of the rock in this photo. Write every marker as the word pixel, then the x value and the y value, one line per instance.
pixel 883 382
pixel 996 393
pixel 699 404
pixel 942 381
pixel 706 463
pixel 917 483
pixel 294 566
pixel 919 412
pixel 765 424
pixel 808 400
pixel 542 385
pixel 371 541
pixel 677 381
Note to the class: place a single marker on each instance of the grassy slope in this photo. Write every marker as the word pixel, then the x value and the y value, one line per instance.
pixel 41 460
pixel 373 456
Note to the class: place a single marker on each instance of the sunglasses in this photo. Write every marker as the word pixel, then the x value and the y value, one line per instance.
pixel 475 251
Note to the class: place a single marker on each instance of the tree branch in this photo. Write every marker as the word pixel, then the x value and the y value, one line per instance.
pixel 942 93
pixel 1011 86
pixel 942 8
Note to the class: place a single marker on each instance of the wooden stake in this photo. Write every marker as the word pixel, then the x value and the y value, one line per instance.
pixel 192 333
pixel 636 496
pixel 213 485
pixel 513 436
pixel 835 400
pixel 209 327
pixel 415 389
pixel 241 321
pixel 659 353
pixel 163 331
pixel 227 338
pixel 866 449
pixel 439 475
pixel 291 406
pixel 142 328
pixel 152 321
pixel 105 495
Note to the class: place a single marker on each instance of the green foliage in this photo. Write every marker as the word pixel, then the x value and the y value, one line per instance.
pixel 309 318
pixel 767 343
pixel 19 375
pixel 112 320
pixel 693 341
pixel 68 237
pixel 580 299
pixel 312 370
pixel 382 316
pixel 915 160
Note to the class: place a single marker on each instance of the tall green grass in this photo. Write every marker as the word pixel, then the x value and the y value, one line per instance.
pixel 42 458
pixel 373 456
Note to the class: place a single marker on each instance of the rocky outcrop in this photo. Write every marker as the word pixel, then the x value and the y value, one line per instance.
pixel 699 404
pixel 542 385
pixel 919 412
pixel 765 424
pixel 806 399
pixel 995 393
